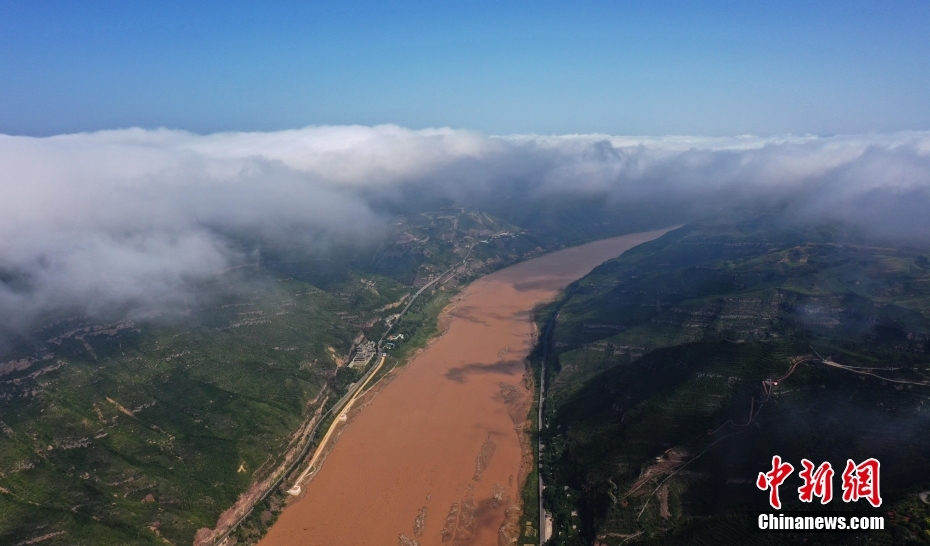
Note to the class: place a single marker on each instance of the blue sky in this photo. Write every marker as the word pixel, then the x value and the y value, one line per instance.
pixel 502 67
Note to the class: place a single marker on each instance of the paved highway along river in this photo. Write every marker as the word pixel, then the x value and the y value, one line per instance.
pixel 437 453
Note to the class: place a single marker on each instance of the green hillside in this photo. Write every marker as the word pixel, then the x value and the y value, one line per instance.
pixel 657 419
pixel 144 429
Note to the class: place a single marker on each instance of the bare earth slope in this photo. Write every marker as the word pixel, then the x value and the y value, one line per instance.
pixel 436 456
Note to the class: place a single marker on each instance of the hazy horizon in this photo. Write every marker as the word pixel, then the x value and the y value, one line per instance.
pixel 146 147
pixel 229 230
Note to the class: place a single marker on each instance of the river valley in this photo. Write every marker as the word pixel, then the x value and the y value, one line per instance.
pixel 437 456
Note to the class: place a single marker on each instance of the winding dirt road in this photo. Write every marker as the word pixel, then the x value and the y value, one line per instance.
pixel 435 457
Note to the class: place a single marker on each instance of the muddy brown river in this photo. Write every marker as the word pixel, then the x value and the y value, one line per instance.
pixel 435 455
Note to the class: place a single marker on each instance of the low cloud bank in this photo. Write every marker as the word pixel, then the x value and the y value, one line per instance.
pixel 105 220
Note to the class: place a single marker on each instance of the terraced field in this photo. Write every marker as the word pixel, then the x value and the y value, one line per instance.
pixel 142 430
pixel 146 427
pixel 665 402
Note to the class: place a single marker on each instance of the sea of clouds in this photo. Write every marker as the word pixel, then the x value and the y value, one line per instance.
pixel 94 221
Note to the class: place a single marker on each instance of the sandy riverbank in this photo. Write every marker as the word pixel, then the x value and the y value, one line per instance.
pixel 443 438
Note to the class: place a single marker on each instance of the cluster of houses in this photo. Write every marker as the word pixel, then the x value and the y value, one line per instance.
pixel 363 354
pixel 366 349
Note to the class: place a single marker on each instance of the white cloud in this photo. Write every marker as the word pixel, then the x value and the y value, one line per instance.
pixel 131 216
